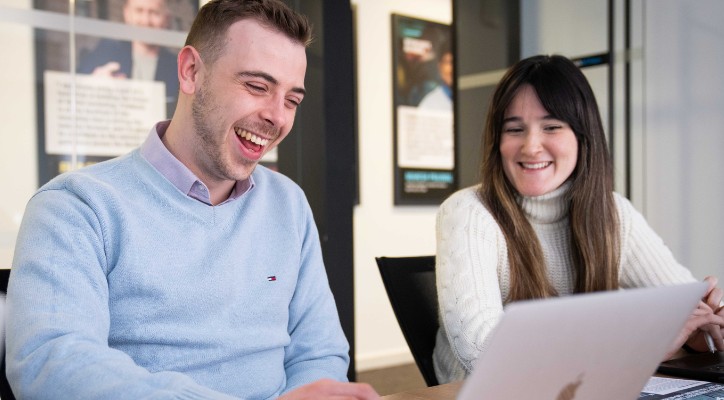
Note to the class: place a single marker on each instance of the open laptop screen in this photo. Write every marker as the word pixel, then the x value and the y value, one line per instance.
pixel 603 345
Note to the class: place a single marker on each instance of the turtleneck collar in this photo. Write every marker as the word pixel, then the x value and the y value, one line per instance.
pixel 548 208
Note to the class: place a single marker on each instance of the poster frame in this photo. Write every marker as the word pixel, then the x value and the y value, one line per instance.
pixel 415 182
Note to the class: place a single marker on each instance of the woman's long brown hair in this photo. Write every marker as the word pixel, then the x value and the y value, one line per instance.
pixel 565 93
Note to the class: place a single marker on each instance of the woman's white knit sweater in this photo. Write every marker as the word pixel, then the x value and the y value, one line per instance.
pixel 473 275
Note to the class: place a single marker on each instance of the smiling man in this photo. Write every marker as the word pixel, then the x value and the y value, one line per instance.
pixel 184 270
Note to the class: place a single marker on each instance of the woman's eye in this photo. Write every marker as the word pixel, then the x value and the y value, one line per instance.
pixel 512 130
pixel 552 128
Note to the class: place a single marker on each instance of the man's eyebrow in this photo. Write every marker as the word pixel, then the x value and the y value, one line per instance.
pixel 270 79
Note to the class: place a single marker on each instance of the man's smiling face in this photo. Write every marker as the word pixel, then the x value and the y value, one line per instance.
pixel 246 102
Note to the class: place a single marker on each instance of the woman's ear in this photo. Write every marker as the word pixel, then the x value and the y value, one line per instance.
pixel 189 69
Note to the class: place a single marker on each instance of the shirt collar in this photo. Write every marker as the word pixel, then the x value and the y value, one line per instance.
pixel 156 153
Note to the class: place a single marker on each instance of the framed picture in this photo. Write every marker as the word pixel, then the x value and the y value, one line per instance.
pixel 102 85
pixel 424 146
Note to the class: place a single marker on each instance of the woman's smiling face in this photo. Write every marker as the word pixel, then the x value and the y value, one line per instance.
pixel 539 152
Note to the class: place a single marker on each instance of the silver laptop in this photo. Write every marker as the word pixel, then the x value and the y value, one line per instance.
pixel 603 345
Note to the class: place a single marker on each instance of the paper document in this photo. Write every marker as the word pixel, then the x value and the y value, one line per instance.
pixel 680 389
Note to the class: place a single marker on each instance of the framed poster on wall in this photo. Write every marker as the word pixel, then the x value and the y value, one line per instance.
pixel 424 149
pixel 102 85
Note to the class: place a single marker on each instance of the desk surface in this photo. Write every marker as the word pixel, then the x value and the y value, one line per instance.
pixel 447 391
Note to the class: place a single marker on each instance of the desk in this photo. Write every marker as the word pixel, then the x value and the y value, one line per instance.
pixel 447 391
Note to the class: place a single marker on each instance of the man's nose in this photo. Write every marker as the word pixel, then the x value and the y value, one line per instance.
pixel 275 112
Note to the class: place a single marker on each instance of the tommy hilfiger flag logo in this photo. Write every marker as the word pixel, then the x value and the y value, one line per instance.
pixel 271 278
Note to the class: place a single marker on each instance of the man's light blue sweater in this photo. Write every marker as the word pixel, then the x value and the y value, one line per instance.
pixel 124 287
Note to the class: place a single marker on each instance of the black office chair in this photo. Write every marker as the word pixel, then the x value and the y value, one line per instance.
pixel 410 286
pixel 5 392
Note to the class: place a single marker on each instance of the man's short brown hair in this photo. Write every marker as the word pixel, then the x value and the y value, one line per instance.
pixel 208 31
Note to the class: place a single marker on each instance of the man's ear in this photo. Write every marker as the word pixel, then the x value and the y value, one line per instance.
pixel 189 69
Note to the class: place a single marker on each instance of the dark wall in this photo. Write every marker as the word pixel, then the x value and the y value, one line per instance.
pixel 487 38
pixel 319 154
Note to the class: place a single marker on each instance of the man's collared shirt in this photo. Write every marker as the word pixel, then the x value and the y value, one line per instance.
pixel 156 153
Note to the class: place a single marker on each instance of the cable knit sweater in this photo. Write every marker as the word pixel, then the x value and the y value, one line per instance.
pixel 473 275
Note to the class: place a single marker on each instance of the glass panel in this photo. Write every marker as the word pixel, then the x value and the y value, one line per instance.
pixel 572 28
pixel 57 114
pixel 125 60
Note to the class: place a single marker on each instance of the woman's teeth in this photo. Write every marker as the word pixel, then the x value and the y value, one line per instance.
pixel 539 165
pixel 251 137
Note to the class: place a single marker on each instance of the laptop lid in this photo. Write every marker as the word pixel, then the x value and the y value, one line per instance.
pixel 603 345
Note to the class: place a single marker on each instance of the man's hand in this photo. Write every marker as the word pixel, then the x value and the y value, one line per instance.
pixel 329 389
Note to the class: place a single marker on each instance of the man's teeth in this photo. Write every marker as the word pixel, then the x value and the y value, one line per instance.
pixel 251 137
pixel 536 165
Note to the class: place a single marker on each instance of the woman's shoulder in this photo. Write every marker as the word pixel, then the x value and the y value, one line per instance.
pixel 625 208
pixel 466 197
pixel 465 204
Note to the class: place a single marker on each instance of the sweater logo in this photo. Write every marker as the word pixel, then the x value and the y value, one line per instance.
pixel 271 278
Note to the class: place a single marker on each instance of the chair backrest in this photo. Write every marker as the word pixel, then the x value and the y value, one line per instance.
pixel 410 286
pixel 5 392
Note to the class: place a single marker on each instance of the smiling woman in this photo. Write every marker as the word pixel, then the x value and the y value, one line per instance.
pixel 539 152
pixel 544 221
pixel 544 129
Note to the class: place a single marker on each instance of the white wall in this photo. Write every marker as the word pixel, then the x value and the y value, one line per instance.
pixel 678 98
pixel 18 166
pixel 380 229
pixel 683 129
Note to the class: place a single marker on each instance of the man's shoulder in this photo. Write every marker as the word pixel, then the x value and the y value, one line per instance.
pixel 273 186
pixel 94 176
pixel 274 180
